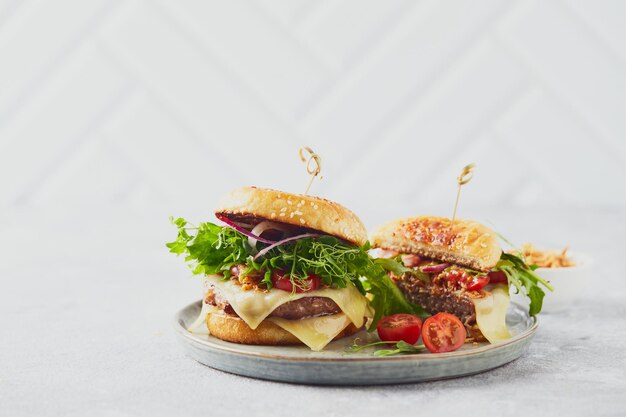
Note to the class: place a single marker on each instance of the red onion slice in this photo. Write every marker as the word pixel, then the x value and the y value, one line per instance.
pixel 434 269
pixel 281 242
pixel 411 260
pixel 262 227
pixel 241 230
pixel 497 277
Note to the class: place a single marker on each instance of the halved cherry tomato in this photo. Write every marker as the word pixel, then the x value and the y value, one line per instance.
pixel 443 332
pixel 497 277
pixel 282 281
pixel 477 283
pixel 398 327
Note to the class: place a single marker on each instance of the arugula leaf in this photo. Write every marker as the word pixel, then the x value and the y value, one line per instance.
pixel 524 279
pixel 400 347
pixel 180 244
pixel 386 298
pixel 215 249
pixel 397 267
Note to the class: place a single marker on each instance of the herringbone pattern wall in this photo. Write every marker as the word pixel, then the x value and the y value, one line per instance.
pixel 141 102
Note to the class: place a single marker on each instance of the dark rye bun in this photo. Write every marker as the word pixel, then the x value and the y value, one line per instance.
pixel 234 329
pixel 253 205
pixel 466 243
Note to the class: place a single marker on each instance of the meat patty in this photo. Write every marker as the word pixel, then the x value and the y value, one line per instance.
pixel 437 299
pixel 306 307
pixel 302 308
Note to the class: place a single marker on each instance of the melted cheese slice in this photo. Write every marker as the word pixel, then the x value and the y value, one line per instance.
pixel 315 332
pixel 206 310
pixel 491 313
pixel 255 306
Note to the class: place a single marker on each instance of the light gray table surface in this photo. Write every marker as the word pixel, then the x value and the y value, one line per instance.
pixel 87 302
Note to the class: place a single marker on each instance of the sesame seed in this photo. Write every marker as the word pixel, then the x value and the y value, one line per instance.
pixel 273 215
pixel 302 221
pixel 281 214
pixel 289 202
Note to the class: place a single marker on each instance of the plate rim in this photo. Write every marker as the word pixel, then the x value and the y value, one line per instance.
pixel 185 334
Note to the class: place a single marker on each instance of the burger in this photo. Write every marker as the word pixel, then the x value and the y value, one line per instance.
pixel 285 269
pixel 457 267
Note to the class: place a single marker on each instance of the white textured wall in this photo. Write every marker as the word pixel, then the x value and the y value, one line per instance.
pixel 142 103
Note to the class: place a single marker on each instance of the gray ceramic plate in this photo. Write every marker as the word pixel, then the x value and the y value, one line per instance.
pixel 335 366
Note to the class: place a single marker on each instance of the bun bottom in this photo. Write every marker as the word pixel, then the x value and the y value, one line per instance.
pixel 234 329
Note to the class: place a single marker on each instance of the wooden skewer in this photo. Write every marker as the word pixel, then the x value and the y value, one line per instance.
pixel 313 165
pixel 464 177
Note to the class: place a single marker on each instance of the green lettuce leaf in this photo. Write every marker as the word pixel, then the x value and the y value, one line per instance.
pixel 523 278
pixel 213 249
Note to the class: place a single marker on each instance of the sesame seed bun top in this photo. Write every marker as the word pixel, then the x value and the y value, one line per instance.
pixel 464 242
pixel 253 205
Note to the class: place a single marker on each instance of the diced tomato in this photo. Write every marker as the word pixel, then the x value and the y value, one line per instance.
pixel 396 327
pixel 458 278
pixel 443 332
pixel 497 277
pixel 282 281
pixel 455 278
pixel 477 283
